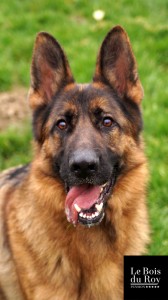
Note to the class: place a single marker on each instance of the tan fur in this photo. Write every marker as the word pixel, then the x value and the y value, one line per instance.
pixel 60 265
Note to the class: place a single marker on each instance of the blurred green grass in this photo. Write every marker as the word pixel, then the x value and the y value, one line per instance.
pixel 15 146
pixel 71 22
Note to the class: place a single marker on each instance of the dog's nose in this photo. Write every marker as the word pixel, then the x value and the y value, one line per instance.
pixel 84 163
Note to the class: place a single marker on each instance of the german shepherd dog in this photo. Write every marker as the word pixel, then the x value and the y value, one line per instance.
pixel 69 217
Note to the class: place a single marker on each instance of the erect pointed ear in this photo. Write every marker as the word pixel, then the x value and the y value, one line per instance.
pixel 50 70
pixel 116 65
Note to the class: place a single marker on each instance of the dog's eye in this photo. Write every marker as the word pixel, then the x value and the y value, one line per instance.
pixel 107 122
pixel 62 124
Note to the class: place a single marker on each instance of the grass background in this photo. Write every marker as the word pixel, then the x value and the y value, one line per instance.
pixel 72 23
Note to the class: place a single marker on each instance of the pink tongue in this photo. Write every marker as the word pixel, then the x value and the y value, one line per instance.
pixel 85 196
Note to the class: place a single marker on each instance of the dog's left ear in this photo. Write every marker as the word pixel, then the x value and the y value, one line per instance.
pixel 116 66
pixel 50 70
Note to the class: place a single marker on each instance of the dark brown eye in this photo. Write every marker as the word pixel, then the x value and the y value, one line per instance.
pixel 62 124
pixel 107 122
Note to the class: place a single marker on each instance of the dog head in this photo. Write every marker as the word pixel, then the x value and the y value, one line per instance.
pixel 86 134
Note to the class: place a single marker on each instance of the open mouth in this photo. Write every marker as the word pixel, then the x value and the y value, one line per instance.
pixel 85 204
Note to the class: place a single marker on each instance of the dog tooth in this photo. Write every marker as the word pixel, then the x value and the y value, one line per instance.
pixel 78 209
pixel 84 215
pixel 81 214
pixel 104 184
pixel 96 214
pixel 101 197
pixel 99 206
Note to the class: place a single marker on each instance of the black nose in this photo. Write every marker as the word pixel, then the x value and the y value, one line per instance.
pixel 84 163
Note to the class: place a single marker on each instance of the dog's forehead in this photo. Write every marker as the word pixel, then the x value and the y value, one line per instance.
pixel 88 97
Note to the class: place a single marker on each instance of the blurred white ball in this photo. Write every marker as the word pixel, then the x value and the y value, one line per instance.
pixel 98 15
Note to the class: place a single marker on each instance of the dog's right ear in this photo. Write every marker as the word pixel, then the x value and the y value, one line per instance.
pixel 50 70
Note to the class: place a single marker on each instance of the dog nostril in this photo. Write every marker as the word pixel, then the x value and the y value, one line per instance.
pixel 92 167
pixel 75 168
